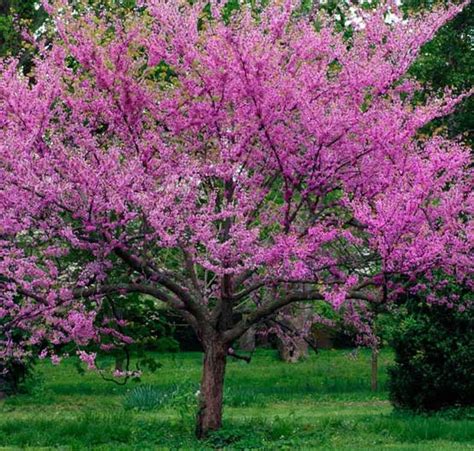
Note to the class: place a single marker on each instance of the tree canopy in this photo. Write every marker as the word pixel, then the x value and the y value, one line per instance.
pixel 228 166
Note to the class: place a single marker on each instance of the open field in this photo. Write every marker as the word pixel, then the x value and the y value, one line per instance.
pixel 324 402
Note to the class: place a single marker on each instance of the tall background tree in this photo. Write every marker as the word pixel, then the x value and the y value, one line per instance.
pixel 18 17
pixel 448 61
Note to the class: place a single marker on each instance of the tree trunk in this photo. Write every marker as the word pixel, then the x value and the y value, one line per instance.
pixel 119 360
pixel 248 339
pixel 5 7
pixel 374 369
pixel 209 417
pixel 294 348
pixel 3 385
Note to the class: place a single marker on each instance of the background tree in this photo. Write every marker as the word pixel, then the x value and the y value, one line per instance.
pixel 17 16
pixel 448 61
pixel 221 165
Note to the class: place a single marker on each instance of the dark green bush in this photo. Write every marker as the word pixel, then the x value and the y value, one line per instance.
pixel 166 344
pixel 13 374
pixel 14 370
pixel 434 357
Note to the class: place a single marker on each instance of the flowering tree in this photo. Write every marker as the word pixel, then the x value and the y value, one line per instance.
pixel 226 166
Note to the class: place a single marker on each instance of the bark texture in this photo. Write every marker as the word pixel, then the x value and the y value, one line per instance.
pixel 209 416
pixel 294 347
pixel 292 350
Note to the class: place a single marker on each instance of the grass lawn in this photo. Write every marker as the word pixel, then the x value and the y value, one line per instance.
pixel 322 403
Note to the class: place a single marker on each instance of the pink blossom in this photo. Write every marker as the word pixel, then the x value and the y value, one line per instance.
pixel 55 359
pixel 88 359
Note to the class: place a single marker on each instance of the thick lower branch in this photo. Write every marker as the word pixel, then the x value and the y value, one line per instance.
pixel 271 307
pixel 198 311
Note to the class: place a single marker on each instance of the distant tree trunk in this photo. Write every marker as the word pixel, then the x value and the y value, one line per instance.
pixel 292 350
pixel 3 384
pixel 295 347
pixel 11 376
pixel 119 361
pixel 247 341
pixel 209 417
pixel 4 7
pixel 374 369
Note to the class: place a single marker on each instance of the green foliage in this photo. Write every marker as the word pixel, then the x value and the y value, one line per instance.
pixel 434 357
pixel 166 344
pixel 448 61
pixel 17 371
pixel 15 16
pixel 146 322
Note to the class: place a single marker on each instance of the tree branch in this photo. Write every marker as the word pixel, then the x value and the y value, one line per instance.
pixel 138 265
pixel 233 354
pixel 267 309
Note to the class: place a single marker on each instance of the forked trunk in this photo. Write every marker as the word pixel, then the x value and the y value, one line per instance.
pixel 209 417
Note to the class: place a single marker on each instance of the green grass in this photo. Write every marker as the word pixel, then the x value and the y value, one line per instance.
pixel 322 403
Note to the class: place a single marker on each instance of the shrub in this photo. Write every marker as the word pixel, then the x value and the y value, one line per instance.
pixel 434 358
pixel 148 397
pixel 145 397
pixel 15 369
pixel 13 374
pixel 167 344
